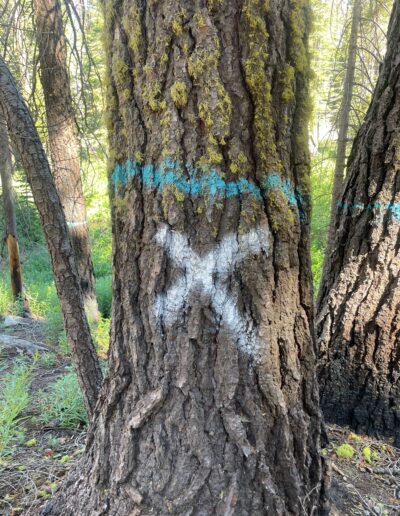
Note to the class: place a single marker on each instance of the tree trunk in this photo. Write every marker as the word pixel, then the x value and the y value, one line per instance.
pixel 344 120
pixel 26 140
pixel 63 141
pixel 9 218
pixel 211 403
pixel 358 322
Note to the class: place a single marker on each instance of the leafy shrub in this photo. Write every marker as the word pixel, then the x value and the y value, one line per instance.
pixel 100 234
pixel 14 398
pixel 63 403
pixel 104 295
pixel 101 336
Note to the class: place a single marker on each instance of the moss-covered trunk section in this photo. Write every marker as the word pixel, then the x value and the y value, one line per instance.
pixel 358 323
pixel 211 403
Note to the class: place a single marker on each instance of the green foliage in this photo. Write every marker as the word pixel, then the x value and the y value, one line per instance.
pixel 101 336
pixel 104 295
pixel 5 296
pixel 323 165
pixel 39 284
pixel 28 223
pixel 345 451
pixel 14 398
pixel 48 360
pixel 369 455
pixel 63 402
pixel 100 235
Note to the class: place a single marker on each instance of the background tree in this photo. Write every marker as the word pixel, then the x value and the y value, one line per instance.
pixel 336 120
pixel 26 140
pixel 85 60
pixel 63 140
pixel 358 312
pixel 344 121
pixel 212 364
pixel 10 236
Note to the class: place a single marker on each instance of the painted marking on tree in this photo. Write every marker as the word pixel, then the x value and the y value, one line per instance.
pixel 76 224
pixel 207 277
pixel 391 207
pixel 196 182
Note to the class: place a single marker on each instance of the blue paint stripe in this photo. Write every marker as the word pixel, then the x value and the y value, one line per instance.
pixel 392 207
pixel 202 181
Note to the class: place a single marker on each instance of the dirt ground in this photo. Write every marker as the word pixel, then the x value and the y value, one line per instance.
pixel 363 485
pixel 367 483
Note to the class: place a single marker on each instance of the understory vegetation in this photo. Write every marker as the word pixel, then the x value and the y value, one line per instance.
pixel 43 419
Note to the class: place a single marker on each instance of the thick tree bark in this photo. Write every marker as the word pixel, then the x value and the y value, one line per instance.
pixel 63 140
pixel 343 130
pixel 359 310
pixel 26 140
pixel 211 404
pixel 10 219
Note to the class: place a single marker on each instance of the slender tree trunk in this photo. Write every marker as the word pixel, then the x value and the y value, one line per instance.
pixel 26 140
pixel 9 218
pixel 63 140
pixel 211 404
pixel 358 322
pixel 343 132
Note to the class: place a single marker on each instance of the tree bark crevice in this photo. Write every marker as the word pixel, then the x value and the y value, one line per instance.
pixel 211 280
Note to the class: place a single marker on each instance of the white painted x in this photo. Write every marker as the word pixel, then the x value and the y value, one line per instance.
pixel 208 275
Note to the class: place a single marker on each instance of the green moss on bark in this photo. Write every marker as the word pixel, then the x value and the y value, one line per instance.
pixel 214 104
pixel 254 12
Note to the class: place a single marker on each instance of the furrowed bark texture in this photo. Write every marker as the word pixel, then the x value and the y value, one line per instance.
pixel 63 140
pixel 358 315
pixel 210 405
pixel 9 216
pixel 26 140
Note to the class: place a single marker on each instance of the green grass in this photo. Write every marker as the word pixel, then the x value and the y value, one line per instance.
pixel 14 398
pixel 63 403
pixel 38 277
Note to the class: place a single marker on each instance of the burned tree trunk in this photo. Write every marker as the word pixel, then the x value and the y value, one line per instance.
pixel 358 323
pixel 63 140
pixel 24 136
pixel 9 218
pixel 211 404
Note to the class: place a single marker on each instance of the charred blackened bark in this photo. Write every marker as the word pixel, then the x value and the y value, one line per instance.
pixel 63 140
pixel 358 322
pixel 10 219
pixel 24 136
pixel 211 404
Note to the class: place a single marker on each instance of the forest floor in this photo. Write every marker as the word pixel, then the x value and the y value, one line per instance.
pixel 38 453
pixel 365 471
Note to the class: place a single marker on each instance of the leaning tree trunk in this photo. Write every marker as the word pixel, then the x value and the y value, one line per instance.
pixel 10 221
pixel 63 140
pixel 24 136
pixel 211 402
pixel 343 129
pixel 359 309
